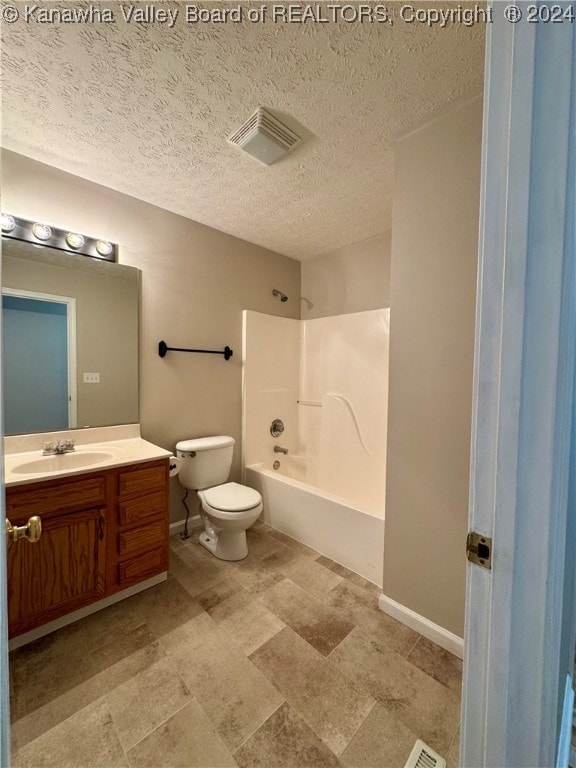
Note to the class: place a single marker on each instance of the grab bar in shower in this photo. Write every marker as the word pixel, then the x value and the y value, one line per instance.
pixel 313 403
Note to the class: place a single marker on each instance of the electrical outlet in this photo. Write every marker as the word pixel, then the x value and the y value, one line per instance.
pixel 91 378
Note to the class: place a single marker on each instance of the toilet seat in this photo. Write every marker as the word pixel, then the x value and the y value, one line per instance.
pixel 230 498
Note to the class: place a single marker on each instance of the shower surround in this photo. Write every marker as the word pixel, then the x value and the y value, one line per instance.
pixel 327 380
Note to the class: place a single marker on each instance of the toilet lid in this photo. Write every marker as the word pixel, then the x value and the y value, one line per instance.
pixel 232 497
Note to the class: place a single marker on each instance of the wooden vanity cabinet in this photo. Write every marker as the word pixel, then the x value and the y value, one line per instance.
pixel 138 545
pixel 63 571
pixel 101 532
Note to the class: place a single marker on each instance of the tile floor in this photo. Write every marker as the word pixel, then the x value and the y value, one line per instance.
pixel 282 659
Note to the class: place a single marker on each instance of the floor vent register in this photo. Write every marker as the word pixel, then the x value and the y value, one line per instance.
pixel 422 756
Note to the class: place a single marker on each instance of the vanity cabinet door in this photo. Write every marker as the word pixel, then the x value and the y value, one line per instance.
pixel 63 571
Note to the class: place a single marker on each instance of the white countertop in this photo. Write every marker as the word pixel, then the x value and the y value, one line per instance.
pixel 96 449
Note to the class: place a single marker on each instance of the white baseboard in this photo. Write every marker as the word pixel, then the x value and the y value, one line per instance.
pixel 422 625
pixel 178 526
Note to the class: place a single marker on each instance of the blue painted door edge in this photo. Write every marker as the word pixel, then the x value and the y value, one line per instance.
pixel 565 737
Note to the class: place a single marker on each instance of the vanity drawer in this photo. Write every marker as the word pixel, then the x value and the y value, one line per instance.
pixel 142 538
pixel 140 567
pixel 56 498
pixel 143 480
pixel 135 510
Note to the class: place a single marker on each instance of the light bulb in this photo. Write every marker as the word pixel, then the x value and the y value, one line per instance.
pixel 8 222
pixel 104 248
pixel 41 231
pixel 74 240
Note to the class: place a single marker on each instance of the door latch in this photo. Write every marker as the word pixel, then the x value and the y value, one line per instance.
pixel 31 531
pixel 479 550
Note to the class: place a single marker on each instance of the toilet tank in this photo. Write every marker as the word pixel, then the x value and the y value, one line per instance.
pixel 206 461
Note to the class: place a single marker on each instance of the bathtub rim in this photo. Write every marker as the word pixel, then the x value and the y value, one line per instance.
pixel 314 489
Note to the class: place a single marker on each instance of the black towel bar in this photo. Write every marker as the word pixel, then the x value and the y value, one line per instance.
pixel 163 348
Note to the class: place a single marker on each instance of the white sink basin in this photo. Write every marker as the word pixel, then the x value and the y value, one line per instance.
pixel 97 449
pixel 63 462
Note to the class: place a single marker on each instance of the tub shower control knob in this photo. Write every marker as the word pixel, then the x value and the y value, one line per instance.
pixel 277 427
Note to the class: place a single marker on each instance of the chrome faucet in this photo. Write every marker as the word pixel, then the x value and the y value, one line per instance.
pixel 279 449
pixel 58 447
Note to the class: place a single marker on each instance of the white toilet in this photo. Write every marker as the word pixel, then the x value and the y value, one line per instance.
pixel 228 509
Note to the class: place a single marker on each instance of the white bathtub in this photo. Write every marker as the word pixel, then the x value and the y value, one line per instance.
pixel 322 520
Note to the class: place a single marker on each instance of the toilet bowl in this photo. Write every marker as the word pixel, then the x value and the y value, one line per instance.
pixel 228 509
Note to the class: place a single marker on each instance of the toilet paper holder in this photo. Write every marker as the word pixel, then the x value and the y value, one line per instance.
pixel 174 465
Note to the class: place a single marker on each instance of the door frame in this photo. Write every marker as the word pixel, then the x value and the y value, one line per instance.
pixel 71 337
pixel 522 428
pixel 4 671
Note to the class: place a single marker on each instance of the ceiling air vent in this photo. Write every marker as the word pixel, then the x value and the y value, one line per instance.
pixel 422 756
pixel 264 137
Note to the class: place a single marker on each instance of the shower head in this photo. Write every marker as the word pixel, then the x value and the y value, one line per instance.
pixel 283 296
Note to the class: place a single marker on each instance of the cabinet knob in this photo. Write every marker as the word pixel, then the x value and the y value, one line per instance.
pixel 31 531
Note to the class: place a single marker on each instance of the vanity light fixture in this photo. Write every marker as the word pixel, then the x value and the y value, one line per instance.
pixel 8 222
pixel 104 248
pixel 76 241
pixel 41 231
pixel 62 239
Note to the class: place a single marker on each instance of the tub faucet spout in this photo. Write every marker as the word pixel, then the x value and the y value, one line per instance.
pixel 279 449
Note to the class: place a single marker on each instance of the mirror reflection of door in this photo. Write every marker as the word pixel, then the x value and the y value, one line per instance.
pixel 39 361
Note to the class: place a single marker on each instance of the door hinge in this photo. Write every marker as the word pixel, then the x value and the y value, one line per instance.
pixel 479 550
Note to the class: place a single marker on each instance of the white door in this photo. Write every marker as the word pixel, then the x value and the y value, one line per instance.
pixel 519 615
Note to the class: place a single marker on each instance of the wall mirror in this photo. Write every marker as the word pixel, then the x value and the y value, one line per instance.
pixel 70 340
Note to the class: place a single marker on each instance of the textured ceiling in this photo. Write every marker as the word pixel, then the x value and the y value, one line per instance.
pixel 146 110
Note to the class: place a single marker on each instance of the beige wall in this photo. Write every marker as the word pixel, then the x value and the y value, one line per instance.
pixel 195 283
pixel 434 256
pixel 351 279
